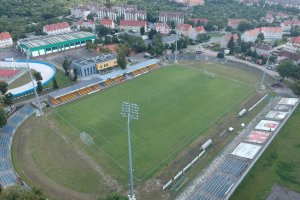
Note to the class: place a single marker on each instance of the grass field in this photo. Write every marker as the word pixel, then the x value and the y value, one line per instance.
pixel 279 164
pixel 177 104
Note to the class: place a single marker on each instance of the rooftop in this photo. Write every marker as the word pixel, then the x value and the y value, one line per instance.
pixel 47 40
pixel 5 35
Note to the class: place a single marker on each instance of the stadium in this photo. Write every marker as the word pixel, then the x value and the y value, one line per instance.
pixel 180 107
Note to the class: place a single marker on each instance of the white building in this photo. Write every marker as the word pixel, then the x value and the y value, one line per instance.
pixel 86 24
pixel 293 45
pixel 128 25
pixel 80 12
pixel 177 17
pixel 135 15
pixel 110 13
pixel 5 40
pixel 288 24
pixel 188 31
pixel 270 33
pixel 59 28
pixel 163 28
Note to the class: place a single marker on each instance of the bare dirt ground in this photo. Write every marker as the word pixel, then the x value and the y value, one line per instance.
pixel 282 193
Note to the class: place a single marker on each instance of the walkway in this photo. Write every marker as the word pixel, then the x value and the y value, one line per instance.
pixel 8 176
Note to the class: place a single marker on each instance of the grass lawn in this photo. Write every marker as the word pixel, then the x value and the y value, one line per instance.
pixel 22 80
pixel 177 104
pixel 280 164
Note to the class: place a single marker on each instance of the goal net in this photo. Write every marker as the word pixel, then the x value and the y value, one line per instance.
pixel 86 138
pixel 210 74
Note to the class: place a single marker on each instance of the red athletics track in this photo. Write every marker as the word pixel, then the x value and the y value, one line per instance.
pixel 7 73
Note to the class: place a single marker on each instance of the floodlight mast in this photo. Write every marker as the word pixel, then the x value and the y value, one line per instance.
pixel 175 53
pixel 130 111
pixel 35 92
pixel 262 86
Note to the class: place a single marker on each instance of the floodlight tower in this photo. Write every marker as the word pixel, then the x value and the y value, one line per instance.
pixel 130 111
pixel 175 53
pixel 262 86
pixel 35 92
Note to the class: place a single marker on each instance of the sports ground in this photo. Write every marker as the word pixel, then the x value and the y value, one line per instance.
pixel 177 104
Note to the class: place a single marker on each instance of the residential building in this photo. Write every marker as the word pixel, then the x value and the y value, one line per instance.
pixel 285 3
pixel 166 16
pixel 132 25
pixel 107 22
pixel 195 31
pixel 281 15
pixel 86 24
pixel 293 45
pixel 163 28
pixel 109 13
pixel 58 28
pixel 190 2
pixel 288 24
pixel 226 38
pixel 135 15
pixel 5 40
pixel 80 12
pixel 188 31
pixel 270 33
pixel 249 2
pixel 262 49
pixel 268 18
pixel 234 23
pixel 284 55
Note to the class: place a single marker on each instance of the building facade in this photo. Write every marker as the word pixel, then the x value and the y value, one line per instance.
pixel 40 46
pixel 177 17
pixel 5 40
pixel 135 15
pixel 270 33
pixel 86 24
pixel 163 28
pixel 128 25
pixel 58 28
pixel 107 23
pixel 293 45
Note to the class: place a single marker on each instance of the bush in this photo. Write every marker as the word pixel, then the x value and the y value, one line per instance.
pixel 220 55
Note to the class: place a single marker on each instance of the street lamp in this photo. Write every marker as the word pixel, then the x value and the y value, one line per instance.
pixel 130 111
pixel 262 86
pixel 175 53
pixel 36 95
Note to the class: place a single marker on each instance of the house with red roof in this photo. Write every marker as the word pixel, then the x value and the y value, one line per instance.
pixel 86 24
pixel 234 23
pixel 262 49
pixel 270 33
pixel 128 25
pixel 226 38
pixel 163 28
pixel 288 24
pixel 188 31
pixel 5 40
pixel 284 55
pixel 58 28
pixel 293 45
pixel 107 22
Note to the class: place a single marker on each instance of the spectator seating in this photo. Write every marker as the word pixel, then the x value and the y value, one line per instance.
pixel 7 174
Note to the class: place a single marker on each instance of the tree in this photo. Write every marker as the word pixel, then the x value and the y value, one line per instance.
pixel 3 87
pixel 121 58
pixel 220 55
pixel 286 69
pixel 39 87
pixel 37 76
pixel 202 37
pixel 67 65
pixel 16 192
pixel 231 45
pixel 151 33
pixel 54 84
pixel 103 30
pixel 75 74
pixel 173 25
pixel 116 196
pixel 142 30
pixel 229 29
pixel 91 16
pixel 3 119
pixel 245 25
pixel 297 87
pixel 261 36
pixel 295 31
pixel 8 99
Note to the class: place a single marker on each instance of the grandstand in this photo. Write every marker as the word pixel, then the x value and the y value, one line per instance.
pixel 50 44
pixel 8 177
pixel 96 84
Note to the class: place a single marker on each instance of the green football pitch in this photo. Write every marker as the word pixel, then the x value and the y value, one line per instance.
pixel 177 103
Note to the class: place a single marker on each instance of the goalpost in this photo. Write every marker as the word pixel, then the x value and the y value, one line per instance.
pixel 86 138
pixel 210 74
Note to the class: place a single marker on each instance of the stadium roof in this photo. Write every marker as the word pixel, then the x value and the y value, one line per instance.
pixel 47 41
pixel 82 84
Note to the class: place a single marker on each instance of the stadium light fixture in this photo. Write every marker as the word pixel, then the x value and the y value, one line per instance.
pixel 34 88
pixel 262 86
pixel 130 111
pixel 175 53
